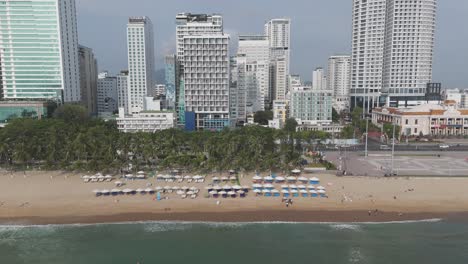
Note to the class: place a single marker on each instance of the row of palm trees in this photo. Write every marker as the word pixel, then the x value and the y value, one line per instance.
pixel 96 145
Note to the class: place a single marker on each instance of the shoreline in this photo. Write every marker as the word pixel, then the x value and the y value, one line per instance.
pixel 259 216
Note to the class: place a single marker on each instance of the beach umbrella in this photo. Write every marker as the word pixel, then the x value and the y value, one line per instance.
pixel 257 186
pixel 285 186
pixel 227 187
pixel 175 188
pixel 184 188
pixel 177 177
pixel 217 188
pixel 311 187
pixel 268 186
pixel 236 187
pixel 215 178
pixel 86 177
pixel 301 187
pixel 129 176
pixel 118 183
pixel 280 179
pixel 159 188
pixel 149 190
pixel 275 193
pixel 296 171
pixel 294 191
pixel 98 174
pixel 292 186
pixel 321 191
pixel 175 171
pixel 97 192
pixel 141 172
pixel 213 193
pixel 224 178
pixel 93 177
pixel 193 188
pixel 257 178
pixel 222 193
pixel 140 190
pixel 140 176
pixel 314 180
pixel 231 193
pixel 197 177
pixel 233 178
pixel 284 191
pixel 127 191
pixel 303 191
pixel 167 188
pixel 187 177
pixel 320 188
pixel 180 192
pixel 115 191
pixel 105 192
pixel 266 191
pixel 313 193
pixel 245 188
pixel 268 178
pixel 257 191
pixel 291 179
pixel 302 179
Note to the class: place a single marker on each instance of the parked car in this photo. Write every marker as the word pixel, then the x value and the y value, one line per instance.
pixel 385 147
pixel 444 146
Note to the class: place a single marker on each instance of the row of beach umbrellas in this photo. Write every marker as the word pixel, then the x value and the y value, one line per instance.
pixel 97 178
pixel 224 179
pixel 224 194
pixel 285 186
pixel 227 188
pixel 287 193
pixel 178 190
pixel 279 179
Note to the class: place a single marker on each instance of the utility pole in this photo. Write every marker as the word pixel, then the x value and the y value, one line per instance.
pixel 367 137
pixel 393 149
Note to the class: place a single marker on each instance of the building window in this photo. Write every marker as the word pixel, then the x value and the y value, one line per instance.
pixel 415 130
pixel 415 121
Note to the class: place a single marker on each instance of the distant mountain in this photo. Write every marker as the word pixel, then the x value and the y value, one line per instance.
pixel 159 76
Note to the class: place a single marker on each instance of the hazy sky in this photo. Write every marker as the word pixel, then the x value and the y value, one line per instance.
pixel 320 28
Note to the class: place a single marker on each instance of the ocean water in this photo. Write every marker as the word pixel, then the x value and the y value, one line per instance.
pixel 224 243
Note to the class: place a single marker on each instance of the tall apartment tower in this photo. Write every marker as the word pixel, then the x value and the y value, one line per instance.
pixel 206 81
pixel 367 51
pixel 339 69
pixel 319 80
pixel 392 51
pixel 45 64
pixel 255 55
pixel 88 79
pixel 140 43
pixel 122 90
pixel 278 32
pixel 171 78
pixel 408 50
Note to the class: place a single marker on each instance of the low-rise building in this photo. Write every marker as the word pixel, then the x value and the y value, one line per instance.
pixel 16 109
pixel 146 121
pixel 428 120
pixel 310 106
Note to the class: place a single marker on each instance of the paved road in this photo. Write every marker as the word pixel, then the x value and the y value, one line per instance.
pixel 375 146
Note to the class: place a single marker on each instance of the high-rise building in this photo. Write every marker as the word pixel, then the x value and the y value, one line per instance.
pixel 122 90
pixel 255 55
pixel 319 80
pixel 107 94
pixel 339 69
pixel 188 24
pixel 278 32
pixel 206 80
pixel 367 51
pixel 171 80
pixel 408 49
pixel 39 50
pixel 159 89
pixel 140 43
pixel 88 79
pixel 392 51
pixel 310 106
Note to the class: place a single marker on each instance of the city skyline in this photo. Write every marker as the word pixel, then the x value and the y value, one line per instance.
pixel 308 50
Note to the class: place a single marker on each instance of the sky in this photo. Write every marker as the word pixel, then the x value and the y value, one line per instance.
pixel 319 29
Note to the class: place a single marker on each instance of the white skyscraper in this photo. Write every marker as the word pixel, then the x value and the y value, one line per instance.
pixel 392 53
pixel 88 79
pixel 39 50
pixel 408 50
pixel 140 43
pixel 319 80
pixel 294 81
pixel 206 80
pixel 339 69
pixel 254 53
pixel 188 24
pixel 278 32
pixel 367 51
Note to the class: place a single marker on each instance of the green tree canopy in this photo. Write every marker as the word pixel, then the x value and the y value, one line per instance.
pixel 262 117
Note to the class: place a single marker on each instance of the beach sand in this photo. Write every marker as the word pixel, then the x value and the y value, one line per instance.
pixel 63 198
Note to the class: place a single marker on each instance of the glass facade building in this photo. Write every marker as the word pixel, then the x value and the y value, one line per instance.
pixel 30 49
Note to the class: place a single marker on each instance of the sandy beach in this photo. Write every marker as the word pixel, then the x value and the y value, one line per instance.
pixel 63 198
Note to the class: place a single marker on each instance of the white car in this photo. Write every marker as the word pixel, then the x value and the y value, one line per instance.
pixel 444 146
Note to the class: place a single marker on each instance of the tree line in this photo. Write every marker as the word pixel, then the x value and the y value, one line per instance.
pixel 70 140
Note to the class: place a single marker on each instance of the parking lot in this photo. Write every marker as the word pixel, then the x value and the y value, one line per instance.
pixel 405 164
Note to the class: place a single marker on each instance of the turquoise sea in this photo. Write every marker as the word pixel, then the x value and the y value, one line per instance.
pixel 233 243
